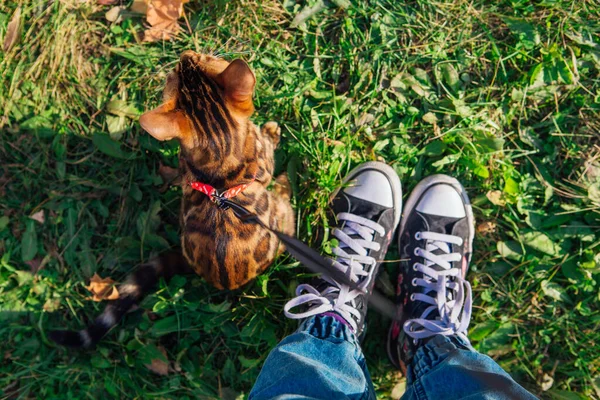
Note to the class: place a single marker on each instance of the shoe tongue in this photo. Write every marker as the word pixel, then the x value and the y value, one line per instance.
pixel 364 208
pixel 354 205
pixel 437 224
pixel 438 252
pixel 348 249
pixel 349 204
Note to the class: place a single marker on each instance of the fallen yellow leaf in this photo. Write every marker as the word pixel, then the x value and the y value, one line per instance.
pixel 102 288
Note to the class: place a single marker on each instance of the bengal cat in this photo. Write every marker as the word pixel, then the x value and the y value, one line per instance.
pixel 207 104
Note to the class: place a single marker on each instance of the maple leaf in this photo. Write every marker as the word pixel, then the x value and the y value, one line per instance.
pixel 162 15
pixel 102 288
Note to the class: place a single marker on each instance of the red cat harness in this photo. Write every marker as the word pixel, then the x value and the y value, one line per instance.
pixel 216 196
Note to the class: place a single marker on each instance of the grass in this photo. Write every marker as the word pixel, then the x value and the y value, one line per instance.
pixel 503 95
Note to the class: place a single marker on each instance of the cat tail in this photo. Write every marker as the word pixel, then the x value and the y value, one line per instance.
pixel 137 285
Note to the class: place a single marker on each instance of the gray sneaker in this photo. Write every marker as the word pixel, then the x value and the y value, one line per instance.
pixel 367 208
pixel 435 246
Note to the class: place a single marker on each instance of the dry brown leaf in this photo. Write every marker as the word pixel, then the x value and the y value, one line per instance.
pixel 139 6
pixel 162 15
pixel 399 389
pixel 495 197
pixel 547 382
pixel 102 289
pixel 365 119
pixel 107 2
pixel 115 14
pixel 163 31
pixel 39 217
pixel 35 265
pixel 159 366
pixel 13 31
pixel 486 227
pixel 167 173
pixel 51 305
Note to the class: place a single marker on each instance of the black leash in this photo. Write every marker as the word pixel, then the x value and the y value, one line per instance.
pixel 312 259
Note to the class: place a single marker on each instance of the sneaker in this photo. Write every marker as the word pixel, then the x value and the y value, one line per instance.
pixel 435 246
pixel 367 209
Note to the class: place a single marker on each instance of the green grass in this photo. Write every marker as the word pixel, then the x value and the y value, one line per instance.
pixel 503 95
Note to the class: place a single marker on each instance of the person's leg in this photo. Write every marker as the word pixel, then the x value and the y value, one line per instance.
pixel 429 343
pixel 449 368
pixel 323 359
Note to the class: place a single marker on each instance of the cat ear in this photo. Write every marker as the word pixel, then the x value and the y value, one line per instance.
pixel 164 123
pixel 238 81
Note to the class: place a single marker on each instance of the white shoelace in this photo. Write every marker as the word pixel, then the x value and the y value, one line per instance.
pixel 337 297
pixel 450 298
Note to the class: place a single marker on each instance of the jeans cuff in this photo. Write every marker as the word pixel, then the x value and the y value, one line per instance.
pixel 432 353
pixel 327 327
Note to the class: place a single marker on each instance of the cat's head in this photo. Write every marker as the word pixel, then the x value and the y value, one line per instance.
pixel 206 101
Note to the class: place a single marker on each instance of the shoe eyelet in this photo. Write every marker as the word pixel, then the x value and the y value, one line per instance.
pixel 414 282
pixel 417 252
pixel 412 297
pixel 415 268
pixel 418 235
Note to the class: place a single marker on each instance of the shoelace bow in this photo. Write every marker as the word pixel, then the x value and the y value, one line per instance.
pixel 337 297
pixel 450 298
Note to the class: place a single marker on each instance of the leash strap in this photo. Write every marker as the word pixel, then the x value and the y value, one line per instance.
pixel 314 261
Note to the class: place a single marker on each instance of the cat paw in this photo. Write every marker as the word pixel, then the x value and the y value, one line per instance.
pixel 272 130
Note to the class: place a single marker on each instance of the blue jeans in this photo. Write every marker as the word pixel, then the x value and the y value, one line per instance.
pixel 323 360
